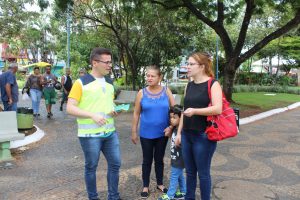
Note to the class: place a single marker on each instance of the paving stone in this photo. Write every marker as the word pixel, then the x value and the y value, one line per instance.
pixel 263 162
pixel 242 190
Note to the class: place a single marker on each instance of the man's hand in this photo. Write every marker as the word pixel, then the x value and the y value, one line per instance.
pixel 10 101
pixel 100 120
pixel 113 113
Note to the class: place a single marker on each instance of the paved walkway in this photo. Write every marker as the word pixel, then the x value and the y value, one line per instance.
pixel 263 162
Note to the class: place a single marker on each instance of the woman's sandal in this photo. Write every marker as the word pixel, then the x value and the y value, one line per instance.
pixel 145 195
pixel 165 190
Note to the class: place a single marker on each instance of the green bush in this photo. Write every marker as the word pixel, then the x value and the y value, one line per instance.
pixel 120 81
pixel 21 83
pixel 264 79
pixel 177 89
pixel 265 88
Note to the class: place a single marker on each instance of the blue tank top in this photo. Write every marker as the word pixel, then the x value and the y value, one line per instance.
pixel 154 114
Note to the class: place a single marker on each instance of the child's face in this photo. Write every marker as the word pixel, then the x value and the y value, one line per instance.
pixel 174 119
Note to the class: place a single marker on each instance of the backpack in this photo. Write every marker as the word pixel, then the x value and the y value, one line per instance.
pixel 221 126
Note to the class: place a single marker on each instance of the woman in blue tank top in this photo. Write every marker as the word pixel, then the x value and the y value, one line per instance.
pixel 152 110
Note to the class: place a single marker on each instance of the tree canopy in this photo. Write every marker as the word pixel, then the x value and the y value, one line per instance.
pixel 218 14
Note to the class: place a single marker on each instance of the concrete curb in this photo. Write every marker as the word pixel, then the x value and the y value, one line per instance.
pixel 269 113
pixel 39 134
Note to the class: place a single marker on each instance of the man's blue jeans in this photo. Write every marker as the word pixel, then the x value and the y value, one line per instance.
pixel 197 153
pixel 176 177
pixel 11 107
pixel 92 147
pixel 36 96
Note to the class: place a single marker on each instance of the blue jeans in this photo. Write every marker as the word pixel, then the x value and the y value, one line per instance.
pixel 36 96
pixel 197 153
pixel 11 107
pixel 92 147
pixel 176 177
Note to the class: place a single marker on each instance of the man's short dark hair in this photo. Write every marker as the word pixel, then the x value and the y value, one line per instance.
pixel 176 110
pixel 98 51
pixel 36 68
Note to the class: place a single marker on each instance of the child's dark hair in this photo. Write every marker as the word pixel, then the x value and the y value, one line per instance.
pixel 176 110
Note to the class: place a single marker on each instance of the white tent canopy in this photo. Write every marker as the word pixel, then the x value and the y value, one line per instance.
pixel 263 65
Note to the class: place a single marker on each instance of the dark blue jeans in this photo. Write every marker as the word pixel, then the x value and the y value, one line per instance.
pixel 11 107
pixel 153 147
pixel 197 153
pixel 92 147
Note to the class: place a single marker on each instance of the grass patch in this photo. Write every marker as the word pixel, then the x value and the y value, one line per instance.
pixel 253 103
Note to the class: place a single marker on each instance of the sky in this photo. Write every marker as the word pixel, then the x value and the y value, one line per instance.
pixel 35 8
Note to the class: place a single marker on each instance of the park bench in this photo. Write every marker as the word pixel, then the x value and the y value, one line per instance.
pixel 8 132
pixel 126 96
pixel 177 98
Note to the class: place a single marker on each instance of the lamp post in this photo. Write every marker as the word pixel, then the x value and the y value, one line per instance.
pixel 68 35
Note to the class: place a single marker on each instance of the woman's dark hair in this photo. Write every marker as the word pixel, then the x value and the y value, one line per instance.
pixel 176 110
pixel 98 51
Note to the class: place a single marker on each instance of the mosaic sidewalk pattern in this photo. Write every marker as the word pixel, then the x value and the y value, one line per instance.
pixel 262 163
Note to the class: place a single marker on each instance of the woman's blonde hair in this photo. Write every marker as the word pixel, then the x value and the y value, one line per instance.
pixel 156 68
pixel 206 60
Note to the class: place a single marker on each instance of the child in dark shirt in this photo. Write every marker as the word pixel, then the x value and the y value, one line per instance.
pixel 177 165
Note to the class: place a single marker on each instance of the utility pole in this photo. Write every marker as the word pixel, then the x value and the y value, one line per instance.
pixel 68 34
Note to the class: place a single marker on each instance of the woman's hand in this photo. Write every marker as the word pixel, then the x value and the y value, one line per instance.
pixel 189 112
pixel 168 131
pixel 178 140
pixel 134 138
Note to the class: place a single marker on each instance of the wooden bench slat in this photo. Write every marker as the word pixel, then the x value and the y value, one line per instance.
pixel 126 96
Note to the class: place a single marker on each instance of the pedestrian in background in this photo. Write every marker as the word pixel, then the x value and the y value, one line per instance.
pixel 9 88
pixel 82 72
pixel 152 110
pixel 197 150
pixel 34 84
pixel 49 80
pixel 66 82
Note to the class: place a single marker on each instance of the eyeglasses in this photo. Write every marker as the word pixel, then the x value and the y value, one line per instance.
pixel 105 62
pixel 191 64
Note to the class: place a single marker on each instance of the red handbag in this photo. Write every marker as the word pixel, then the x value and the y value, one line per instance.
pixel 221 126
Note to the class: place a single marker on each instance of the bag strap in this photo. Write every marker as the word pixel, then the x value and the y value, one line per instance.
pixel 209 88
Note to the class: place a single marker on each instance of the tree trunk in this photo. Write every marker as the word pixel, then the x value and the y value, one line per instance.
pixel 270 68
pixel 229 74
pixel 298 74
pixel 134 77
